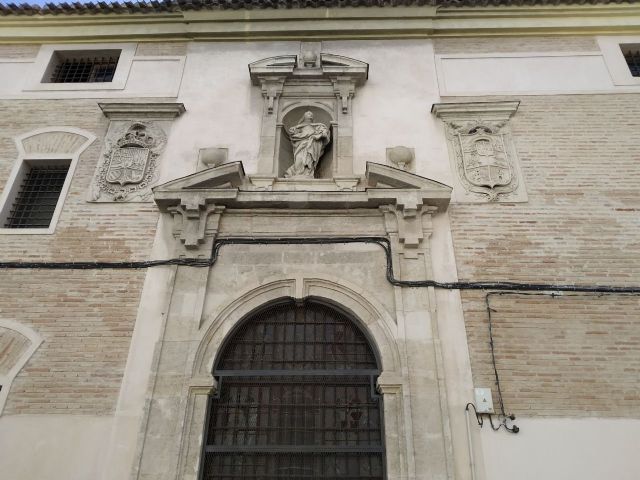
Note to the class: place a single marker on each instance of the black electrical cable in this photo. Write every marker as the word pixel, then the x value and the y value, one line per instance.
pixel 383 242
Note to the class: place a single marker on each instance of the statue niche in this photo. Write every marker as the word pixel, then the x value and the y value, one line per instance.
pixel 305 144
pixel 307 122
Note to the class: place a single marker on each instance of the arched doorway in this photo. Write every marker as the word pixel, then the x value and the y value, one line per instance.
pixel 296 399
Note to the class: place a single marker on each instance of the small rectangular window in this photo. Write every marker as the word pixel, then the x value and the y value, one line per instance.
pixel 82 66
pixel 37 197
pixel 632 57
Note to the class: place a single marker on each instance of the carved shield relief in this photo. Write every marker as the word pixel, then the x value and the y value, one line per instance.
pixel 483 161
pixel 127 165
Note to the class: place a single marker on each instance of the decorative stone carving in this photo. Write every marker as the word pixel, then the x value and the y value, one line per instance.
pixel 129 167
pixel 292 85
pixel 135 139
pixel 482 151
pixel 309 141
pixel 197 201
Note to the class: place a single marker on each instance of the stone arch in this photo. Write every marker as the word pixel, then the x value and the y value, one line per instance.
pixel 362 308
pixel 66 141
pixel 17 344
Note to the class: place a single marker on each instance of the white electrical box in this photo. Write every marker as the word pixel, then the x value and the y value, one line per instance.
pixel 484 400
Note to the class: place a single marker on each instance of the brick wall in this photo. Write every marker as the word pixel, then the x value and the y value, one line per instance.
pixel 85 317
pixel 571 356
pixel 19 51
pixel 514 44
pixel 153 49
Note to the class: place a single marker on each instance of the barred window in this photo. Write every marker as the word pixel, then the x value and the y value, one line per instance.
pixel 632 57
pixel 296 400
pixel 37 195
pixel 82 66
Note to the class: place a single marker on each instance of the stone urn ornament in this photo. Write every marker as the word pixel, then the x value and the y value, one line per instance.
pixel 400 157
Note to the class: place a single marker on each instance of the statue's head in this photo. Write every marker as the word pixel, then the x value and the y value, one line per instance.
pixel 308 116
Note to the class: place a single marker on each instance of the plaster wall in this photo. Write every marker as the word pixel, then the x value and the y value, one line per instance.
pixel 52 447
pixel 569 448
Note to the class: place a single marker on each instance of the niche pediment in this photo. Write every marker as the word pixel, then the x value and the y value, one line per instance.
pixel 308 64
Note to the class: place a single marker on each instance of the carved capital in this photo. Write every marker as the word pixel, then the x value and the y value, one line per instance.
pixel 345 89
pixel 409 219
pixel 203 386
pixel 389 384
pixel 271 90
pixel 190 220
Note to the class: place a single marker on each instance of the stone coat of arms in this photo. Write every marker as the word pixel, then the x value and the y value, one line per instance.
pixel 483 159
pixel 129 165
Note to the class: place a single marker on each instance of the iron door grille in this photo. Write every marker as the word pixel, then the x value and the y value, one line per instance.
pixel 296 400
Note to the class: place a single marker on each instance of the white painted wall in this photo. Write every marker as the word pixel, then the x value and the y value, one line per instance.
pixel 523 73
pixel 52 447
pixel 564 449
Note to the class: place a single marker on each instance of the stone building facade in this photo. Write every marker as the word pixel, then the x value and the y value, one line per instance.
pixel 463 214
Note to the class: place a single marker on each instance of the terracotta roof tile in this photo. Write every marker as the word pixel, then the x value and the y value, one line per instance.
pixel 164 6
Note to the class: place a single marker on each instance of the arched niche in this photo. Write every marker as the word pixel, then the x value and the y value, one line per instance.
pixel 284 147
pixel 315 79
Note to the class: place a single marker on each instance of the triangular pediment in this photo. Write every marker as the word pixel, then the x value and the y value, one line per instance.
pixel 330 66
pixel 280 65
pixel 229 175
pixel 384 176
pixel 228 186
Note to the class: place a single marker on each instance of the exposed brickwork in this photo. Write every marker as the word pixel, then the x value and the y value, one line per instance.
pixel 579 157
pixel 85 317
pixel 515 44
pixel 155 49
pixel 19 51
pixel 562 356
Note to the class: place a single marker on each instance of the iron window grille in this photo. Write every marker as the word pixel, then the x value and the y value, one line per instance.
pixel 83 67
pixel 295 400
pixel 632 57
pixel 37 197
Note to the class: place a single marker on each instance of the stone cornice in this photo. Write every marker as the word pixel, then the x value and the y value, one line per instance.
pixel 151 110
pixel 322 23
pixel 493 111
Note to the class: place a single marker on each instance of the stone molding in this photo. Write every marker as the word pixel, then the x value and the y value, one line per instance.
pixel 359 305
pixel 197 201
pixel 151 111
pixel 481 151
pixel 135 139
pixel 200 22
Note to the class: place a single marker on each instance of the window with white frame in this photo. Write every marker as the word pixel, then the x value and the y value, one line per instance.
pixel 82 66
pixel 621 55
pixel 35 191
pixel 36 195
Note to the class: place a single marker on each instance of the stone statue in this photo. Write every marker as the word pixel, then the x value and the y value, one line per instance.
pixel 309 141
